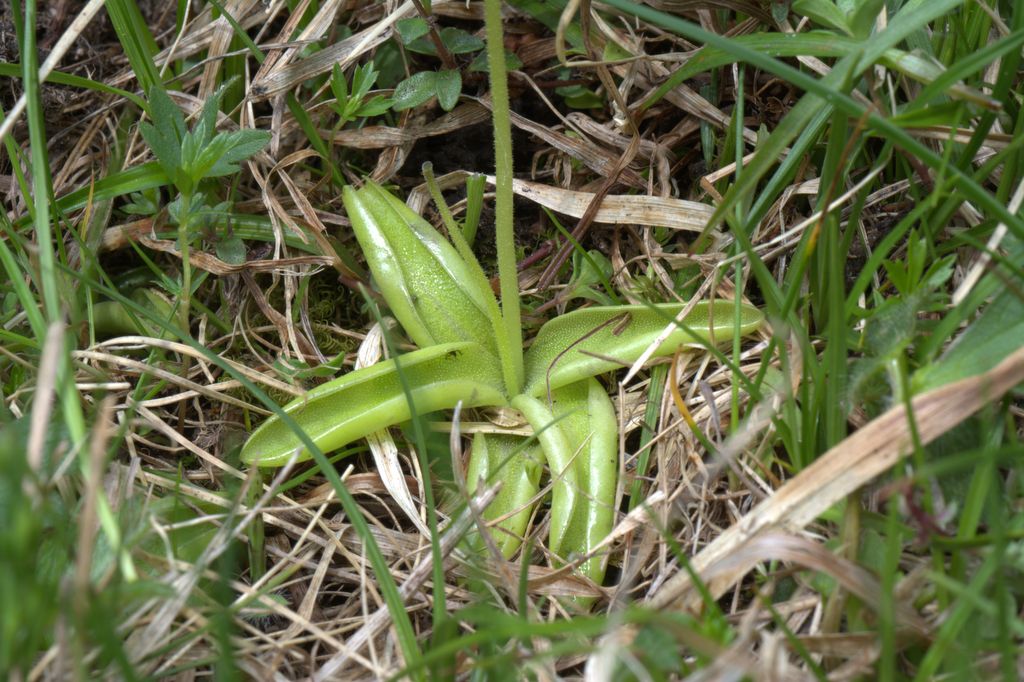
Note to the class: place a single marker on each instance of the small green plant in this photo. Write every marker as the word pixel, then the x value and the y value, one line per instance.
pixel 445 84
pixel 353 104
pixel 188 158
pixel 413 33
pixel 471 352
pixel 441 297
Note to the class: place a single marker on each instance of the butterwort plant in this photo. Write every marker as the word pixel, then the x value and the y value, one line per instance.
pixel 471 352
pixel 438 292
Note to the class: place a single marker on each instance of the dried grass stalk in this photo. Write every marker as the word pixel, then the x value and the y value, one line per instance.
pixel 854 462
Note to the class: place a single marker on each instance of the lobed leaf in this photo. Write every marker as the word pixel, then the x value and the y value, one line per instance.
pixel 165 133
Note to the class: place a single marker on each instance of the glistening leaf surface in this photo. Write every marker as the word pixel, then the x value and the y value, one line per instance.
pixel 425 282
pixel 588 420
pixel 587 342
pixel 517 464
pixel 370 399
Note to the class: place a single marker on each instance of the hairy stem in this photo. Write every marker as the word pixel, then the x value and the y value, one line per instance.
pixel 503 188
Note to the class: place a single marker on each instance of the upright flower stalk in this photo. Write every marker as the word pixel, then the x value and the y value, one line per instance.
pixel 503 218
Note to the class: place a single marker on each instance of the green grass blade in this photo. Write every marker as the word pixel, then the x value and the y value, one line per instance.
pixel 14 70
pixel 829 90
pixel 136 40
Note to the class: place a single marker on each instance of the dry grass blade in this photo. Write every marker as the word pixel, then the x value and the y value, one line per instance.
pixel 382 445
pixel 380 618
pixel 802 551
pixel 161 614
pixel 851 464
pixel 754 9
pixel 220 42
pixel 42 406
pixel 285 76
pixel 88 520
pixel 143 368
pixel 647 150
pixel 616 209
pixel 53 59
pixel 311 31
pixel 163 427
pixel 141 489
pixel 195 38
pixel 124 342
pixel 984 258
pixel 212 264
pixel 994 141
pixel 379 137
pixel 597 159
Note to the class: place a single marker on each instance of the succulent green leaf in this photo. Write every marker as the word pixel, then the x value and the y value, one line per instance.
pixel 370 399
pixel 590 341
pixel 559 452
pixel 111 318
pixel 587 418
pixel 517 465
pixel 427 285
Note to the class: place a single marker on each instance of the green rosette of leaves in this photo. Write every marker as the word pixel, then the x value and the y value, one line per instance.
pixel 441 297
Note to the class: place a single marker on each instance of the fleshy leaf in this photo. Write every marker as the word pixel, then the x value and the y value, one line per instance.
pixel 111 318
pixel 425 282
pixel 558 451
pixel 370 399
pixel 587 418
pixel 514 462
pixel 590 341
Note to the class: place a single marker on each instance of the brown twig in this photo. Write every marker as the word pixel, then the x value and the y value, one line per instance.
pixel 435 37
